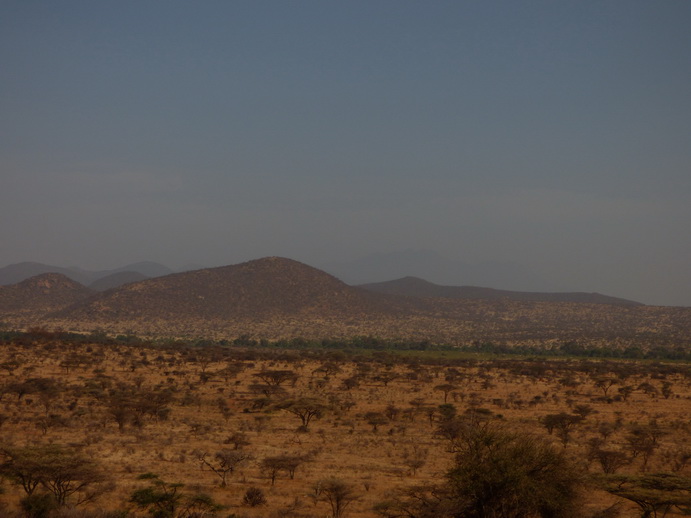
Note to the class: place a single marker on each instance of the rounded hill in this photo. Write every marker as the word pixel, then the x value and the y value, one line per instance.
pixel 259 289
pixel 40 294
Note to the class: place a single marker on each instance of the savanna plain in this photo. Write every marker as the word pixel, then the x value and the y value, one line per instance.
pixel 104 427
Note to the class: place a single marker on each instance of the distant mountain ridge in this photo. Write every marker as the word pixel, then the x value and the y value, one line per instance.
pixel 276 297
pixel 116 280
pixel 18 272
pixel 14 273
pixel 147 268
pixel 416 287
pixel 373 267
pixel 435 267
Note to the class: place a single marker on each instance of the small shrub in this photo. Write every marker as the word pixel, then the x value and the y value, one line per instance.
pixel 254 497
pixel 38 505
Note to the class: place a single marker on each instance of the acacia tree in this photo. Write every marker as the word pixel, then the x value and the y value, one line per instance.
pixel 351 383
pixel 68 473
pixel 62 472
pixel 656 494
pixel 563 423
pixel 604 383
pixel 583 411
pixel 625 392
pixel 167 500
pixel 22 467
pixel 47 389
pixel 306 408
pixel 375 419
pixel 337 493
pixel 386 377
pixel 272 466
pixel 267 390
pixel 610 460
pixel 225 462
pixel 327 369
pixel 643 440
pixel 277 377
pixel 132 405
pixel 446 388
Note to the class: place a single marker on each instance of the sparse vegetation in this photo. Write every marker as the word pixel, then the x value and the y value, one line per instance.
pixel 292 304
pixel 351 432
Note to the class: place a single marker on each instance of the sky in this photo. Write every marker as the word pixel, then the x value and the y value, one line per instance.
pixel 552 135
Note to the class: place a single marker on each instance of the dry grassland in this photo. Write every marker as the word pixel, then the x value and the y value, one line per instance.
pixel 377 430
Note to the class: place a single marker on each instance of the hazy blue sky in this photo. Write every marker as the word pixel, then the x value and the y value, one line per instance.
pixel 552 134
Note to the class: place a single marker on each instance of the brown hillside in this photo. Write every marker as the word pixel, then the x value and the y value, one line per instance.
pixel 280 298
pixel 262 289
pixel 41 294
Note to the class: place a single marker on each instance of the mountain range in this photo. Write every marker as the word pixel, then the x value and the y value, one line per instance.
pixel 435 267
pixel 416 287
pixel 279 298
pixel 384 266
pixel 18 272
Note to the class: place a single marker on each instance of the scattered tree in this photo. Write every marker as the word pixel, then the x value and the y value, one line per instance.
pixel 62 472
pixel 446 388
pixel 337 493
pixel 375 420
pixel 225 462
pixel 306 408
pixel 165 500
pixel 277 377
pixel 656 494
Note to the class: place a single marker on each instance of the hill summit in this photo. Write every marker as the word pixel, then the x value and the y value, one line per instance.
pixel 40 294
pixel 260 289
